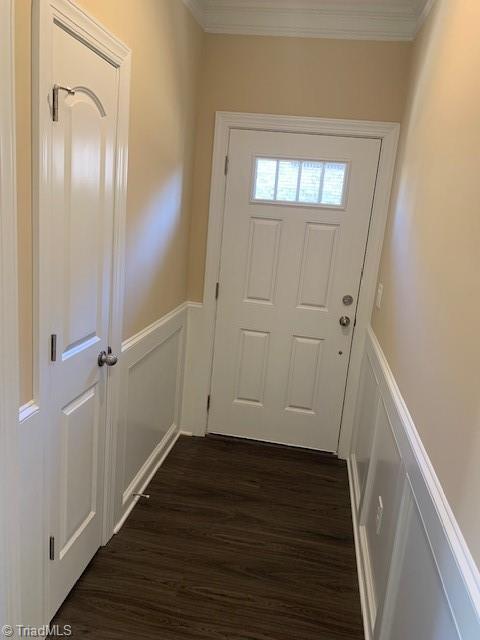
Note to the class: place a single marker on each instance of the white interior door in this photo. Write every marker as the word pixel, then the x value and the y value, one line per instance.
pixel 297 213
pixel 80 229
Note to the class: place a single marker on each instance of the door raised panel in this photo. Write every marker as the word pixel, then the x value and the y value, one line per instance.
pixel 366 412
pixel 318 263
pixel 418 607
pixel 79 466
pixel 383 500
pixel 252 362
pixel 305 362
pixel 76 242
pixel 83 220
pixel 262 262
pixel 150 398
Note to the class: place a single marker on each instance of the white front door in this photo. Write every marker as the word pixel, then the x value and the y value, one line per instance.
pixel 297 213
pixel 79 246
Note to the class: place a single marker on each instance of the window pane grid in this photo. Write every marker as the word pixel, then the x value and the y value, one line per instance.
pixel 300 181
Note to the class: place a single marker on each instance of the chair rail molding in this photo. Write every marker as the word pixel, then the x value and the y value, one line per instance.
pixel 421 520
pixel 9 363
pixel 201 323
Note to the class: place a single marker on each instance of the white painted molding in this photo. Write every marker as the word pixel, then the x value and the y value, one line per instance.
pixel 27 411
pixel 201 323
pixel 423 14
pixel 166 404
pixel 432 502
pixel 197 11
pixel 68 13
pixel 459 575
pixel 366 20
pixel 155 326
pixel 194 305
pixel 363 582
pixel 196 380
pixel 9 367
pixel 148 470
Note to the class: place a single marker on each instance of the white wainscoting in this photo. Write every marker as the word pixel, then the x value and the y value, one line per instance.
pixel 31 497
pixel 418 580
pixel 197 373
pixel 152 369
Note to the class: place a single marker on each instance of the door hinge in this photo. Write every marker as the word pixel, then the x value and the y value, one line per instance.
pixel 226 165
pixel 55 90
pixel 208 403
pixel 51 548
pixel 53 347
pixel 217 290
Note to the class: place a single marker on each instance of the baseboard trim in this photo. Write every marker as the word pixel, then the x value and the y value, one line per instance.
pixel 146 473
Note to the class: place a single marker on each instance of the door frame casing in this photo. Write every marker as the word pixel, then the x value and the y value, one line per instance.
pixel 388 134
pixel 88 30
pixel 10 605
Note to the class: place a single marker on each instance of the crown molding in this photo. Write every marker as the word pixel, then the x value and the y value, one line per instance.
pixel 422 14
pixel 365 20
pixel 197 10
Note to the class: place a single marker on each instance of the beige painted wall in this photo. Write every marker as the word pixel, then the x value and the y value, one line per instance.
pixel 24 192
pixel 427 325
pixel 166 46
pixel 289 76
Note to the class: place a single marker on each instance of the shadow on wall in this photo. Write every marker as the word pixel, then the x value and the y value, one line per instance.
pixel 429 265
pixel 166 45
pixel 152 242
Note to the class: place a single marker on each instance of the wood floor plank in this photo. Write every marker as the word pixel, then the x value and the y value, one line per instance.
pixel 239 541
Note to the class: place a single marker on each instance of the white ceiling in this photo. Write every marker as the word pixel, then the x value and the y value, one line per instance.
pixel 354 19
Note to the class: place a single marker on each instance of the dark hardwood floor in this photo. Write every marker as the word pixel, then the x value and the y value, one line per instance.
pixel 239 541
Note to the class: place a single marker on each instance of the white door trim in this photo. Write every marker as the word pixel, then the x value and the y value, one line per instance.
pixel 94 35
pixel 388 133
pixel 9 368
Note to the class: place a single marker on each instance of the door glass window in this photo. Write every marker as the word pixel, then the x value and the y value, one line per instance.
pixel 265 179
pixel 288 171
pixel 309 182
pixel 333 183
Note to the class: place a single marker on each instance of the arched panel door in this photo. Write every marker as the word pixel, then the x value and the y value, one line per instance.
pixel 79 246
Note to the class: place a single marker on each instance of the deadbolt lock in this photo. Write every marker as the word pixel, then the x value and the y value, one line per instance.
pixel 347 300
